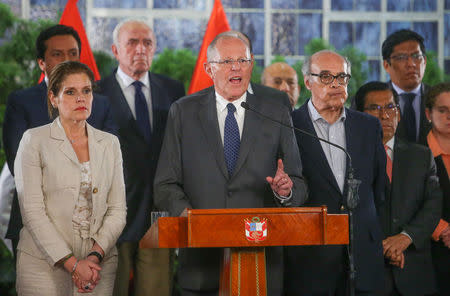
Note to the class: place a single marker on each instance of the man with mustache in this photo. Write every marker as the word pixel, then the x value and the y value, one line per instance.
pixel 413 199
pixel 140 103
pixel 322 270
pixel 405 61
pixel 284 78
pixel 216 154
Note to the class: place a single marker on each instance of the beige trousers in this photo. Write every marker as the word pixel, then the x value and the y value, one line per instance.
pixel 36 277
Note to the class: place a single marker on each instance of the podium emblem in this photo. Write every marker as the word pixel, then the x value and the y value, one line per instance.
pixel 255 229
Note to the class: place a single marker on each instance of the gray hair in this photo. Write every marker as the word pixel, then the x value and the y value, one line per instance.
pixel 212 50
pixel 306 68
pixel 128 21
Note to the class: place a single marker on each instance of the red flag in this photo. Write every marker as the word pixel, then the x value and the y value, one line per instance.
pixel 71 17
pixel 217 24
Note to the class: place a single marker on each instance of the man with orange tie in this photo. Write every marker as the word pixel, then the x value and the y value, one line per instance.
pixel 413 199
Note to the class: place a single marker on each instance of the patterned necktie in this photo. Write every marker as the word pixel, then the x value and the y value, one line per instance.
pixel 231 139
pixel 409 116
pixel 142 116
pixel 388 163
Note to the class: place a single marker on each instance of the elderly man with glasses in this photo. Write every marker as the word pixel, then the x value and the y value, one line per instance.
pixel 322 270
pixel 217 154
pixel 413 199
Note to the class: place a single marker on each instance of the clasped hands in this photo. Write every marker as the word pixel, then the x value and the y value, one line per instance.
pixel 281 183
pixel 393 248
pixel 86 275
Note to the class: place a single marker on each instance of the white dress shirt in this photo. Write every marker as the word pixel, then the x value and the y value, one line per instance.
pixel 334 133
pixel 222 112
pixel 239 114
pixel 125 83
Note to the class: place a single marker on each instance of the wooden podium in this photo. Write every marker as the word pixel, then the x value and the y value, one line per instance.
pixel 243 233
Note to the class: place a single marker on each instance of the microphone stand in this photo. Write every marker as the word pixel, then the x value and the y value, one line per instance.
pixel 351 201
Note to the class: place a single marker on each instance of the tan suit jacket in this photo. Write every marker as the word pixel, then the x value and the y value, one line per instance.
pixel 48 178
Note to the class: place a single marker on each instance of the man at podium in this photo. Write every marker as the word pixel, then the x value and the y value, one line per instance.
pixel 217 154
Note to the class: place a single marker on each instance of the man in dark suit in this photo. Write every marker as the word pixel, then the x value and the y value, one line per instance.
pixel 27 108
pixel 413 199
pixel 321 270
pixel 218 155
pixel 140 103
pixel 405 61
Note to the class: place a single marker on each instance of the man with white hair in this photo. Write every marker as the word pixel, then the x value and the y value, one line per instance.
pixel 140 103
pixel 216 154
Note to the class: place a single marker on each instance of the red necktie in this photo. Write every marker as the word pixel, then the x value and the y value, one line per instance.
pixel 388 164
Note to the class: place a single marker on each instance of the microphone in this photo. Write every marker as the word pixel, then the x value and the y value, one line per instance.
pixel 352 193
pixel 246 106
pixel 352 196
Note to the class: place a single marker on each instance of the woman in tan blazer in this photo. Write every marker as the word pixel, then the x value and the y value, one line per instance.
pixel 71 193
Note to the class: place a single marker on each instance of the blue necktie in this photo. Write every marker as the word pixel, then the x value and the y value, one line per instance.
pixel 409 116
pixel 142 116
pixel 231 139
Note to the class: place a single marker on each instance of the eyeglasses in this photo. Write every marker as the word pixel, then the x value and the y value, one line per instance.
pixel 390 109
pixel 244 63
pixel 328 78
pixel 416 57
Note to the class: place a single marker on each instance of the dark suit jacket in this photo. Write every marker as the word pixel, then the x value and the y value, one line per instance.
pixel 425 125
pixel 413 205
pixel 315 269
pixel 26 109
pixel 270 92
pixel 140 158
pixel 192 174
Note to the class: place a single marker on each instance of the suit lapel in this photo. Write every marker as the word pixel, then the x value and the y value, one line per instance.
pixel 159 103
pixel 57 133
pixel 399 172
pixel 350 136
pixel 252 123
pixel 316 150
pixel 96 152
pixel 207 114
pixel 425 125
pixel 124 116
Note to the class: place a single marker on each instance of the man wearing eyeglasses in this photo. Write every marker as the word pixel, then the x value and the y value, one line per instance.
pixel 405 61
pixel 413 199
pixel 322 270
pixel 218 155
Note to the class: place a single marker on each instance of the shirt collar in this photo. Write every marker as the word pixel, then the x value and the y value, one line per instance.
pixel 250 89
pixel 391 143
pixel 127 80
pixel 315 115
pixel 434 145
pixel 400 91
pixel 222 103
